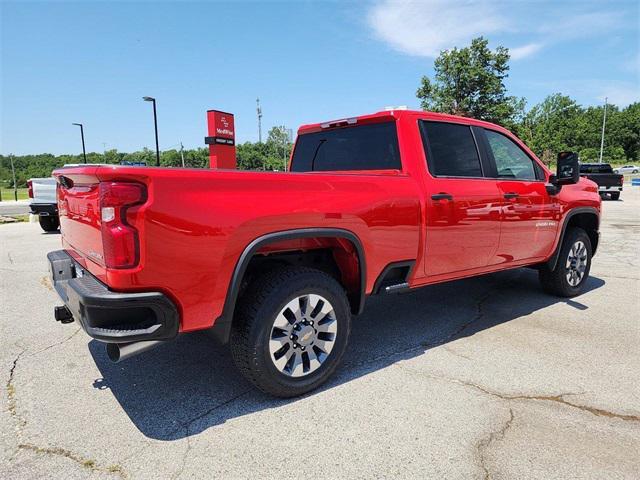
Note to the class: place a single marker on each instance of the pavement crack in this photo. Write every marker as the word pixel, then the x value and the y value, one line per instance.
pixel 187 428
pixel 458 331
pixel 430 344
pixel 21 422
pixel 559 398
pixel 483 445
pixel 11 392
pixel 479 306
pixel 58 343
pixel 454 353
pixel 188 423
pixel 183 465
pixel 88 463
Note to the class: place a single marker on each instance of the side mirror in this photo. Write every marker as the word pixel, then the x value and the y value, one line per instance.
pixel 568 171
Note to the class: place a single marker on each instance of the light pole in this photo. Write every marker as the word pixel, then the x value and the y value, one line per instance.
pixel 155 123
pixel 604 122
pixel 84 152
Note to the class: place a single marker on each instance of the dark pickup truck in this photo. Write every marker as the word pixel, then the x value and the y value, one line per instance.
pixel 602 174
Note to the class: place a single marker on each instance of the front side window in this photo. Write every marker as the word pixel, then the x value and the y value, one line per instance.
pixel 511 160
pixel 362 147
pixel 450 149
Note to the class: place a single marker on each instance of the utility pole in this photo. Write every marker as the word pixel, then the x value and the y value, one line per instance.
pixel 604 122
pixel 182 154
pixel 259 110
pixel 13 172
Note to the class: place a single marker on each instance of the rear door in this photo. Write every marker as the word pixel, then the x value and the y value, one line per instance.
pixel 463 206
pixel 529 214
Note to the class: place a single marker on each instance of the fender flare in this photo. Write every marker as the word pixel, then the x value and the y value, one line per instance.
pixel 553 260
pixel 222 325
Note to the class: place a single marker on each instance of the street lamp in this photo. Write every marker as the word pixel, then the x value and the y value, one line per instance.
pixel 84 152
pixel 155 123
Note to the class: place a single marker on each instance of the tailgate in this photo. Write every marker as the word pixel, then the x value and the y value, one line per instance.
pixel 44 190
pixel 606 179
pixel 79 210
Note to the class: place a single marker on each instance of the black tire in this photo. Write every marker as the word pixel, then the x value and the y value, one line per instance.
pixel 257 311
pixel 49 223
pixel 635 171
pixel 615 196
pixel 555 281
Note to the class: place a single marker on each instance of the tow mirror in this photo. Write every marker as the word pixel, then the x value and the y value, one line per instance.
pixel 568 171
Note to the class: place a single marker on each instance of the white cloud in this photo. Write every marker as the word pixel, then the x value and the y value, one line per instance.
pixel 524 51
pixel 621 94
pixel 425 28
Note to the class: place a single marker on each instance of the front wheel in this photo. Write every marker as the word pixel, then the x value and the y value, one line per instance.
pixel 49 223
pixel 570 274
pixel 291 330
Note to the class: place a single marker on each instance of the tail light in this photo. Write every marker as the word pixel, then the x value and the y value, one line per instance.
pixel 621 180
pixel 121 248
pixel 30 188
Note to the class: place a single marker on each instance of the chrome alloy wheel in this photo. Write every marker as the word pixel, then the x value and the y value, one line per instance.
pixel 303 335
pixel 576 263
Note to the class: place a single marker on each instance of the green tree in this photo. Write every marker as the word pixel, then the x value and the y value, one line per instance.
pixel 550 126
pixel 470 82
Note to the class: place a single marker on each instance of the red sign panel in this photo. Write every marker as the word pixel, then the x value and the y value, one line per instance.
pixel 223 123
pixel 221 139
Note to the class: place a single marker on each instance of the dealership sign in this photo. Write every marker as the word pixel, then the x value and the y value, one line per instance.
pixel 221 139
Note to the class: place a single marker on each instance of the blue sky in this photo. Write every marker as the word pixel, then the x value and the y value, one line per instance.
pixel 91 62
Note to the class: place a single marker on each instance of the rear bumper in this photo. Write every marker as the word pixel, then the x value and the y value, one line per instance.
pixel 603 189
pixel 110 316
pixel 44 208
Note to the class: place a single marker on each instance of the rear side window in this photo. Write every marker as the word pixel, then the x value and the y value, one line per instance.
pixel 450 149
pixel 363 147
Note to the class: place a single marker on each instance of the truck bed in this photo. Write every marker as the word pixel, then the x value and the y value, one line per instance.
pixel 217 213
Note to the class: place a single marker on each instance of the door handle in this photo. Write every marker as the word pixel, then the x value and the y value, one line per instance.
pixel 441 196
pixel 511 195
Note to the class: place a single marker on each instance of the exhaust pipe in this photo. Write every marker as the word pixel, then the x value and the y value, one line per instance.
pixel 121 351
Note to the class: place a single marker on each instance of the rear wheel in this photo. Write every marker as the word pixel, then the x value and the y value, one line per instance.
pixel 49 223
pixel 615 196
pixel 570 274
pixel 291 330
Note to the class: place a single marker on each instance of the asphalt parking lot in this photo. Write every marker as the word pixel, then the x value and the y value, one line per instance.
pixel 482 378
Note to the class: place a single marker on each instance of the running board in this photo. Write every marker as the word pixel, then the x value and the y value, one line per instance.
pixel 397 288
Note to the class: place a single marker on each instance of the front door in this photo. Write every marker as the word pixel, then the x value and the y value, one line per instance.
pixel 530 216
pixel 463 207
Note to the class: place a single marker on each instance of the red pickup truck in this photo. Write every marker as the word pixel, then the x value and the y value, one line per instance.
pixel 276 263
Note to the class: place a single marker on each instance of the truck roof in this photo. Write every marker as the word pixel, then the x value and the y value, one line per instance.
pixel 392 114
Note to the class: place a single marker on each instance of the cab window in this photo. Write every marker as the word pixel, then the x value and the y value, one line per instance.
pixel 362 147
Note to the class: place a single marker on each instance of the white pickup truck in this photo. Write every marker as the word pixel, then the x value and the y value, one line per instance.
pixel 42 192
